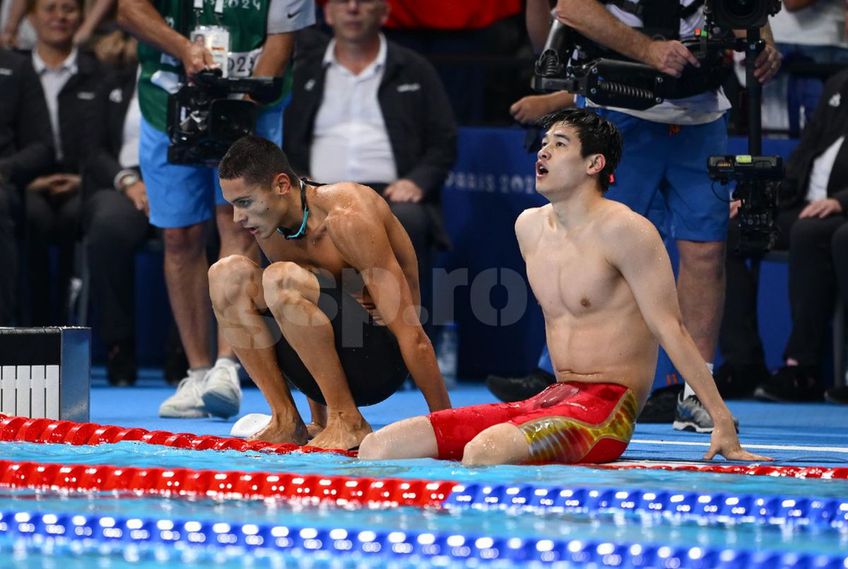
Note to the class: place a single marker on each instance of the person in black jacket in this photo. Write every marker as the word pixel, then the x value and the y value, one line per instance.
pixel 70 79
pixel 813 226
pixel 115 213
pixel 25 152
pixel 365 109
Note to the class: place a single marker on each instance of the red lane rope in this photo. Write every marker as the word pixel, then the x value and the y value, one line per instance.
pixel 51 431
pixel 187 482
pixel 759 469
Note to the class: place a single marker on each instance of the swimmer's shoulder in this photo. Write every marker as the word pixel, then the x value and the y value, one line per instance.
pixel 354 212
pixel 531 219
pixel 529 225
pixel 344 199
pixel 621 226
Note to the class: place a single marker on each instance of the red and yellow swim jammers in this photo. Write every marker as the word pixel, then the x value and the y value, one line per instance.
pixel 569 422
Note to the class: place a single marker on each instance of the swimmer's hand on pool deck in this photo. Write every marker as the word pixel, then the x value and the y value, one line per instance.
pixel 725 442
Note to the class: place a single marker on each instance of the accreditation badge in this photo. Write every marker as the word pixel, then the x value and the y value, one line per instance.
pixel 216 39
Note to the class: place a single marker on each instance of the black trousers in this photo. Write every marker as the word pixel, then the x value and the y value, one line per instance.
pixel 9 257
pixel 51 220
pixel 818 259
pixel 114 230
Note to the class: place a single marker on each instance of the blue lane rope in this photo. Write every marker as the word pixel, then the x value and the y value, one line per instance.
pixel 722 507
pixel 97 533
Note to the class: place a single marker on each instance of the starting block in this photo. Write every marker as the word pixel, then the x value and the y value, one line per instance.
pixel 46 372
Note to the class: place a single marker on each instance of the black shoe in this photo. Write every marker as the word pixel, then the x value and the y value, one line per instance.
pixel 121 370
pixel 661 405
pixel 510 389
pixel 837 394
pixel 738 381
pixel 791 384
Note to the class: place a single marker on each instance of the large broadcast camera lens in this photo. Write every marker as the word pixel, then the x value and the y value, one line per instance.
pixel 741 14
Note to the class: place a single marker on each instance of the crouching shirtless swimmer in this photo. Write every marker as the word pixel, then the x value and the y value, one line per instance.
pixel 605 284
pixel 335 313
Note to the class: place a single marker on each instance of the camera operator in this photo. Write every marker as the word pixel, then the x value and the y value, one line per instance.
pixel 665 150
pixel 256 38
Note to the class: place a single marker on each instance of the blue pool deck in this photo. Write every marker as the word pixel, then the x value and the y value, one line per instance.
pixel 793 434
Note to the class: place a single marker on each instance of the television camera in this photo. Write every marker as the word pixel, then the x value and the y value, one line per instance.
pixel 210 112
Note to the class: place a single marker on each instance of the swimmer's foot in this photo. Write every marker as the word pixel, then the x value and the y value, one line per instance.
pixel 313 429
pixel 282 431
pixel 342 432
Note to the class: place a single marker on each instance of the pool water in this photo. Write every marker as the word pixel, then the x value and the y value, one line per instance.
pixel 617 527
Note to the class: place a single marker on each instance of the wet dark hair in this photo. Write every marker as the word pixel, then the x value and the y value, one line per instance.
pixel 597 136
pixel 256 160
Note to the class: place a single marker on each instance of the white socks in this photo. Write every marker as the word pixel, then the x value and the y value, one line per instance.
pixel 225 362
pixel 687 391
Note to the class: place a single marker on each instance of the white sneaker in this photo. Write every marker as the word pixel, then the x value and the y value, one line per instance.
pixel 220 391
pixel 186 402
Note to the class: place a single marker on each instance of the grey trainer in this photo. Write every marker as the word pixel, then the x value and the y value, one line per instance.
pixel 691 415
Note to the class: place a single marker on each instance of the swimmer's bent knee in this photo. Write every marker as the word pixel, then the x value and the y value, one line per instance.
pixel 232 267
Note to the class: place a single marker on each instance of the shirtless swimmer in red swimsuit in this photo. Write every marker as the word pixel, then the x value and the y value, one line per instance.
pixel 606 287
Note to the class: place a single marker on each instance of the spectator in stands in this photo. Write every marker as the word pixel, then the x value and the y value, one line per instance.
pixel 70 79
pixel 807 31
pixel 181 197
pixel 115 213
pixel 817 181
pixel 659 158
pixel 365 109
pixel 16 31
pixel 25 152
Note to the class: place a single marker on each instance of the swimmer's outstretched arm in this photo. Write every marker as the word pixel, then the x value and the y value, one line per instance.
pixel 366 247
pixel 634 247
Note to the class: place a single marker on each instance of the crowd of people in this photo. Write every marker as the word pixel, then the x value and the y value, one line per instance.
pixel 334 208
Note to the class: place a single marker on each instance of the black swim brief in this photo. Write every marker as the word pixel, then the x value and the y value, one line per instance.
pixel 369 352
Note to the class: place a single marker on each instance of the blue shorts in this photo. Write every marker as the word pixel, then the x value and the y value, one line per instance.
pixel 671 161
pixel 179 195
